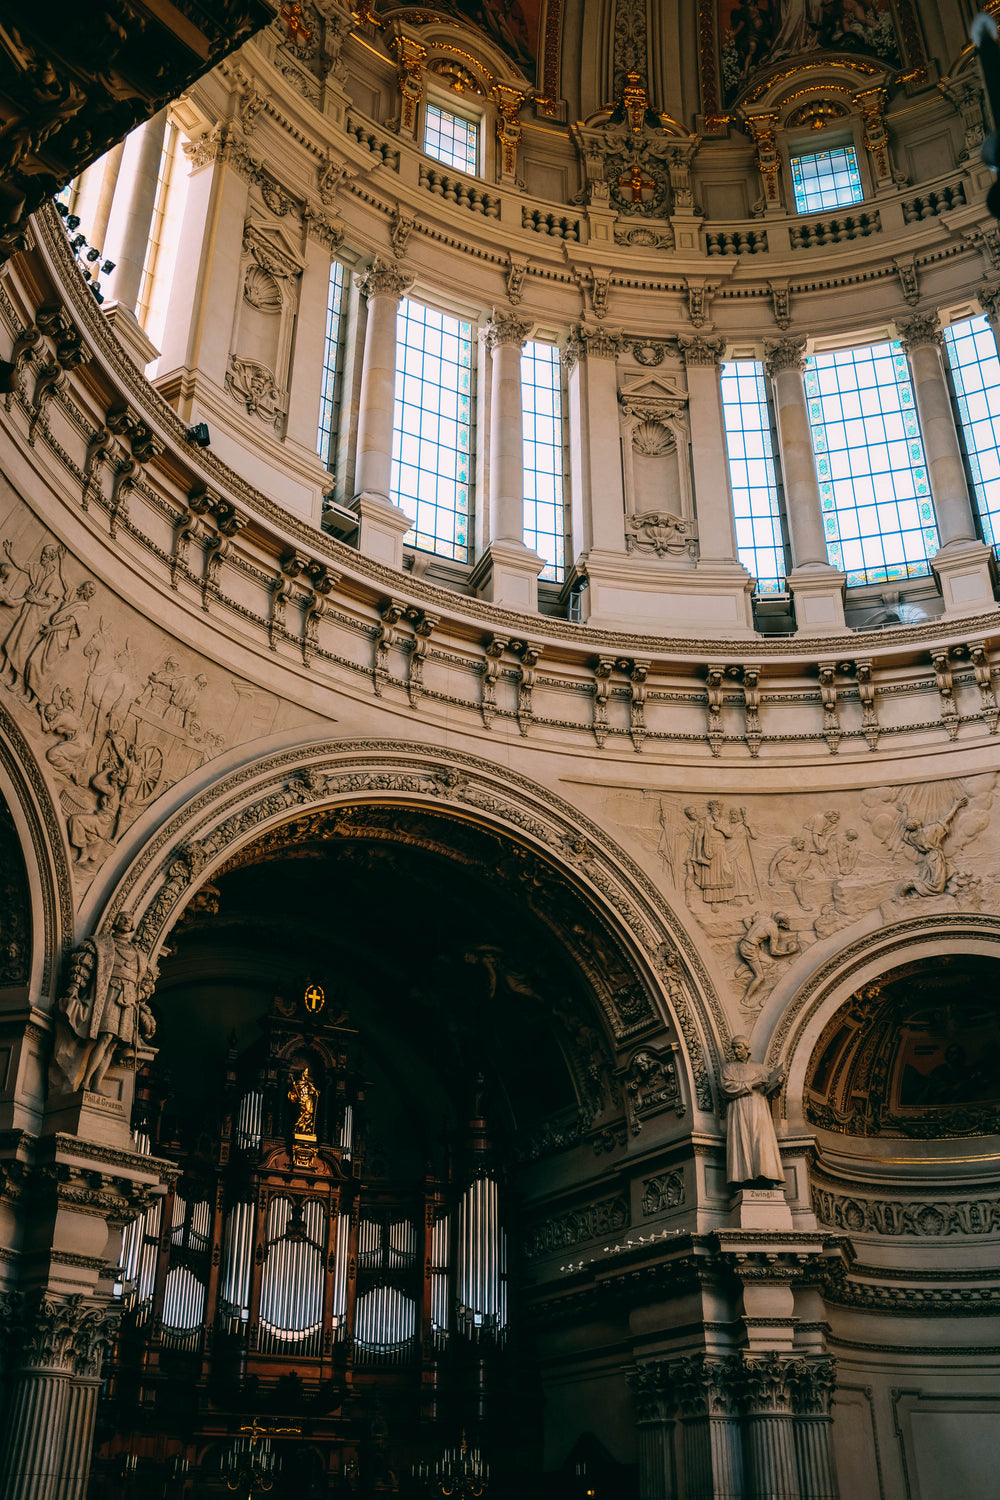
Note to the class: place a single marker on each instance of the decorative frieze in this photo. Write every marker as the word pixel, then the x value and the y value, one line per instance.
pixel 929 1220
pixel 576 1227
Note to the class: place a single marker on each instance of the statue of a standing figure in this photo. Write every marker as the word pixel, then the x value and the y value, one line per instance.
pixel 104 1006
pixel 304 1093
pixel 752 1151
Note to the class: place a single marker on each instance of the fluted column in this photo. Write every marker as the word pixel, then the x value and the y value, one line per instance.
pixel 54 1350
pixel 508 571
pixel 962 566
pixel 813 1383
pixel 383 525
pixel 769 1435
pixel 654 1431
pixel 817 587
pixel 708 1393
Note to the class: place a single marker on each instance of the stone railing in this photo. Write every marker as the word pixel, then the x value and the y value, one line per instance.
pixel 821 232
pixel 464 191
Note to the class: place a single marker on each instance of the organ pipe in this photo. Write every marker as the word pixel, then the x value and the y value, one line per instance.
pixel 481 1270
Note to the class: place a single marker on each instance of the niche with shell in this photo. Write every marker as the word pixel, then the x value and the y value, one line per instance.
pixel 258 371
pixel 659 519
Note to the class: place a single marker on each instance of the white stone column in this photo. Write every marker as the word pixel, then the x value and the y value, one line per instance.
pixel 729 587
pixel 130 222
pixel 306 372
pixel 813 1384
pixel 74 1464
pixel 817 587
pixel 33 1434
pixel 770 1456
pixel 507 573
pixel 383 525
pixel 962 566
pixel 199 325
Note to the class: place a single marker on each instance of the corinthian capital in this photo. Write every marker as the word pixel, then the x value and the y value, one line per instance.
pixel 600 343
pixel 506 328
pixel 921 329
pixel 784 354
pixel 701 350
pixel 383 279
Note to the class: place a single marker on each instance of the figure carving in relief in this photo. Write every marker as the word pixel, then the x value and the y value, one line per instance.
pixel 44 594
pixel 764 932
pixel 752 1153
pixel 789 866
pixel 745 886
pixel 928 840
pixel 8 599
pixel 107 678
pixel 104 1006
pixel 55 638
pixel 91 833
pixel 820 833
pixel 61 718
pixel 711 868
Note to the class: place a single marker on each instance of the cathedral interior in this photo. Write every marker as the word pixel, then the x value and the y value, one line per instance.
pixel 499 669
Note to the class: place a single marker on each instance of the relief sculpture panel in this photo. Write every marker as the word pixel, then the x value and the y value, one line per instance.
pixel 766 877
pixel 116 710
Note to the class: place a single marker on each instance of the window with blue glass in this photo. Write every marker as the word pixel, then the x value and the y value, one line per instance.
pixel 451 138
pixel 826 179
pixel 432 429
pixel 878 516
pixel 542 417
pixel 753 474
pixel 975 375
pixel 331 364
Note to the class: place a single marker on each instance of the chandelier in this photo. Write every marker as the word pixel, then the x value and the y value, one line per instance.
pixel 460 1473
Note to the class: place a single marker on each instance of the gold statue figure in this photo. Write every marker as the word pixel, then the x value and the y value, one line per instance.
pixel 304 1093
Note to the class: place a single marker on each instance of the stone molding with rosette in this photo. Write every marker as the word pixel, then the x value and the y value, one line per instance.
pixel 885 1216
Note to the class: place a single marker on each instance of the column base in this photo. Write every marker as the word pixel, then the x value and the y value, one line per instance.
pixel 134 340
pixel 713 599
pixel 383 527
pixel 507 573
pixel 965 573
pixel 818 599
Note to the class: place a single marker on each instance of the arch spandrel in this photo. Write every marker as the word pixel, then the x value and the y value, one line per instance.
pixel 337 780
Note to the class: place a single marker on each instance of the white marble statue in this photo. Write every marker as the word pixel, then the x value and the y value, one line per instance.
pixel 751 1144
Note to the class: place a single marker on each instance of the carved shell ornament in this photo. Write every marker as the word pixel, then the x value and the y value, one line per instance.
pixel 652 439
pixel 261 290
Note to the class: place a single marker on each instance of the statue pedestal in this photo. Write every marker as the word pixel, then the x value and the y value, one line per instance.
pixel 92 1117
pixel 760 1208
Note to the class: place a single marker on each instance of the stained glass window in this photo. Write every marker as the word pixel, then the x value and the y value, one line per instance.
pixel 541 402
pixel 878 516
pixel 753 473
pixel 975 374
pixel 432 429
pixel 451 139
pixel 826 179
pixel 331 357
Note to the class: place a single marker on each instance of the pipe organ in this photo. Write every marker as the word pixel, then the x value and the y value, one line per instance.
pixel 282 1273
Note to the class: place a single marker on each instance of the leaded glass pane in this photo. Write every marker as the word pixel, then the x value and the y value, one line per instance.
pixel 541 402
pixel 753 474
pixel 432 429
pixel 331 350
pixel 826 179
pixel 975 373
pixel 451 139
pixel 878 516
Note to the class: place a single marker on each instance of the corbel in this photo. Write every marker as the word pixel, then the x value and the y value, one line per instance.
pixel 781 302
pixel 494 649
pixel 749 680
pixel 323 581
pixel 603 668
pixel 99 450
pixel 386 636
pixel 400 230
pixel 514 278
pixel 188 528
pixel 946 689
pixel 988 711
pixel 281 591
pixel 699 299
pixel 862 673
pixel 828 696
pixel 906 272
pixel 218 547
pixel 12 370
pixel 424 625
pixel 528 656
pixel 636 672
pixel 715 686
pixel 51 378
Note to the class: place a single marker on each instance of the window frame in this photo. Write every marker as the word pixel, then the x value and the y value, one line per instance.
pixel 555 573
pixel 799 143
pixel 445 104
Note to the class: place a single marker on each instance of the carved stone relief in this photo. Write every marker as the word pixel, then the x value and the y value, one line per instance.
pixel 766 878
pixel 115 710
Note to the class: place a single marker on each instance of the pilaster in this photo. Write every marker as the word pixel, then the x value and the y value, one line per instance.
pixel 383 524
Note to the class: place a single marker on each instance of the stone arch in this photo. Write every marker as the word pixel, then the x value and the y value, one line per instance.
pixel 39 831
pixel 259 799
pixel 799 1025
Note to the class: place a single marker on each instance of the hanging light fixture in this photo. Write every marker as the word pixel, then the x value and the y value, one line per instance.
pixel 460 1473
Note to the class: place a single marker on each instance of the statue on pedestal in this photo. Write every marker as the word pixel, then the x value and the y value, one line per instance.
pixel 752 1151
pixel 104 1007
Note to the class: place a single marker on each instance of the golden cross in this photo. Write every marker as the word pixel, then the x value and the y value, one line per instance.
pixel 635 180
